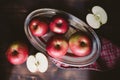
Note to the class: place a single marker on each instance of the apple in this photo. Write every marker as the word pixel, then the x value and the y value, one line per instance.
pixel 80 44
pixel 17 53
pixel 57 46
pixel 97 18
pixel 37 63
pixel 59 25
pixel 38 28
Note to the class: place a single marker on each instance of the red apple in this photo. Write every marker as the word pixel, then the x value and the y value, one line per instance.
pixel 17 53
pixel 38 28
pixel 59 25
pixel 57 47
pixel 80 44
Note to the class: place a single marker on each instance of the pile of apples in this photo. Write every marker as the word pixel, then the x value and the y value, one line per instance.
pixel 58 45
pixel 78 44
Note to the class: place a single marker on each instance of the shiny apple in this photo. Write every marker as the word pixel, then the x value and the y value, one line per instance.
pixel 17 53
pixel 57 46
pixel 38 28
pixel 80 44
pixel 59 25
pixel 37 63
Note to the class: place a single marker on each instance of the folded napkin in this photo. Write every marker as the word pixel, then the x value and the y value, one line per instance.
pixel 109 58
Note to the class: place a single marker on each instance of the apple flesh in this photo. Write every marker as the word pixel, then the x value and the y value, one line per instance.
pixel 38 28
pixel 97 18
pixel 37 63
pixel 59 25
pixel 17 53
pixel 92 21
pixel 57 46
pixel 101 13
pixel 80 44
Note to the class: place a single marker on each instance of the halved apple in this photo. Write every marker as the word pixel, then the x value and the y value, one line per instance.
pixel 36 63
pixel 92 21
pixel 97 18
pixel 100 13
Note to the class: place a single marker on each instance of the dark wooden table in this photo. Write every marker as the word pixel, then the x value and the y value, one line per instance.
pixel 12 17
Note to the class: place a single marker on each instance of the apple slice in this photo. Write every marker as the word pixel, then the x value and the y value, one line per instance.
pixel 31 64
pixel 92 21
pixel 98 18
pixel 42 61
pixel 100 13
pixel 36 63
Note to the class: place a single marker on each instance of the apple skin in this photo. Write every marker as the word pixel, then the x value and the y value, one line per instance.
pixel 57 46
pixel 38 28
pixel 59 25
pixel 17 53
pixel 80 44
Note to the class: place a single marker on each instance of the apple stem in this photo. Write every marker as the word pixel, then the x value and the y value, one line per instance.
pixel 59 24
pixel 82 44
pixel 35 27
pixel 57 46
pixel 14 53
